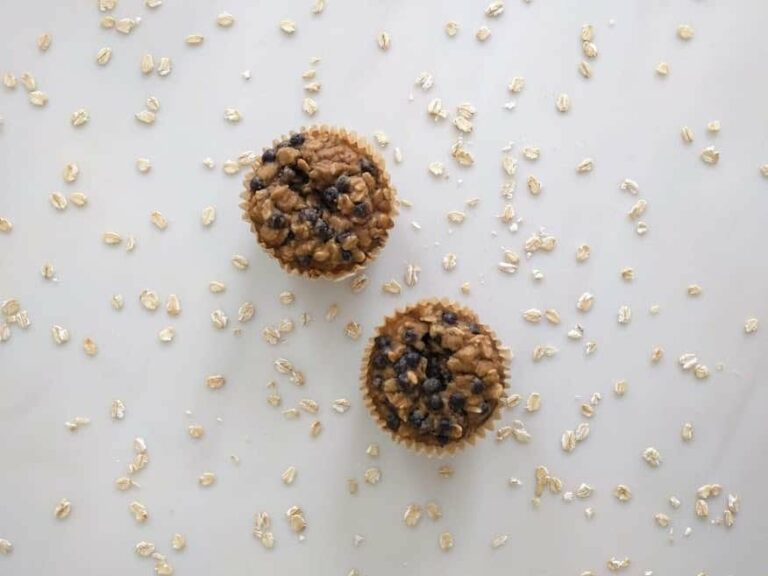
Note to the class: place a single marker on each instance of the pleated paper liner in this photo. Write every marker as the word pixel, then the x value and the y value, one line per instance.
pixel 431 450
pixel 363 147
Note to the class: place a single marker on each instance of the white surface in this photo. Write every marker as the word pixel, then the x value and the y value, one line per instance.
pixel 706 226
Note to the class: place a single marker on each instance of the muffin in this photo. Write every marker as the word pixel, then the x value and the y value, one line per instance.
pixel 433 376
pixel 320 202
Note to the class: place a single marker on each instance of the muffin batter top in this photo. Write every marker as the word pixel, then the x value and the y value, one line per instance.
pixel 320 202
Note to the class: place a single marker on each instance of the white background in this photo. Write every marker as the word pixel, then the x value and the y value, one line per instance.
pixel 706 226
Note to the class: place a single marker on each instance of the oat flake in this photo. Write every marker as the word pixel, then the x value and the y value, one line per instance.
pixel 483 33
pixel 167 334
pixel 63 509
pixel 445 541
pixel 751 325
pixel 652 457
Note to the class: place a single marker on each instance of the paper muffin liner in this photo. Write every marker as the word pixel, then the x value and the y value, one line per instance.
pixel 431 450
pixel 360 145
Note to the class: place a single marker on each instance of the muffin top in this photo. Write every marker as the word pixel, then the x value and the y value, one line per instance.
pixel 321 203
pixel 434 374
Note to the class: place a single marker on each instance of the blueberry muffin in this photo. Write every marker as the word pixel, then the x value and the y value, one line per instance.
pixel 433 376
pixel 320 202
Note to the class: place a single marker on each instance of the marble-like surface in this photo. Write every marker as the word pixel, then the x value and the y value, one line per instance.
pixel 706 227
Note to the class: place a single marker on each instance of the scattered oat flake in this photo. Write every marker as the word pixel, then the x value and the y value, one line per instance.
pixel 149 300
pixel 462 124
pixel 435 109
pixel 139 511
pixel 585 69
pixel 710 155
pixel 532 315
pixel 662 69
pixel 6 547
pixel 145 116
pixel 145 549
pixel 58 201
pixel 451 28
pixel 79 117
pixel 499 541
pixel 178 542
pixel 70 173
pixel 483 33
pixel 78 199
pixel 173 305
pixel 167 334
pixel 9 80
pixel 246 312
pixel 563 103
pixel 158 220
pixel 219 319
pixel 445 541
pixel 194 39
pixel 5 225
pixel 383 40
pixel 568 441
pixel 709 491
pixel 207 479
pixel 60 334
pixel 341 405
pixel 44 42
pixel 391 287
pixel 652 457
pixel 614 564
pixel 143 165
pixel 147 64
pixel 436 169
pixel 624 315
pixel 589 49
pixel 456 216
pixel 372 476
pixel 623 493
pixel 533 404
pixel 28 81
pixel 232 115
pixel 662 520
pixel 543 351
pixel 516 85
pixel 117 301
pixel 89 347
pixel 685 32
pixel 585 302
pixel 412 515
pixel 318 6
pixel 62 509
pixel 583 252
pixel 225 20
pixel 288 26
pixel 585 165
pixel 495 9
pixel 751 325
pixel 38 98
pixel 309 107
pixel 534 185
pixel 433 510
pixel 117 410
